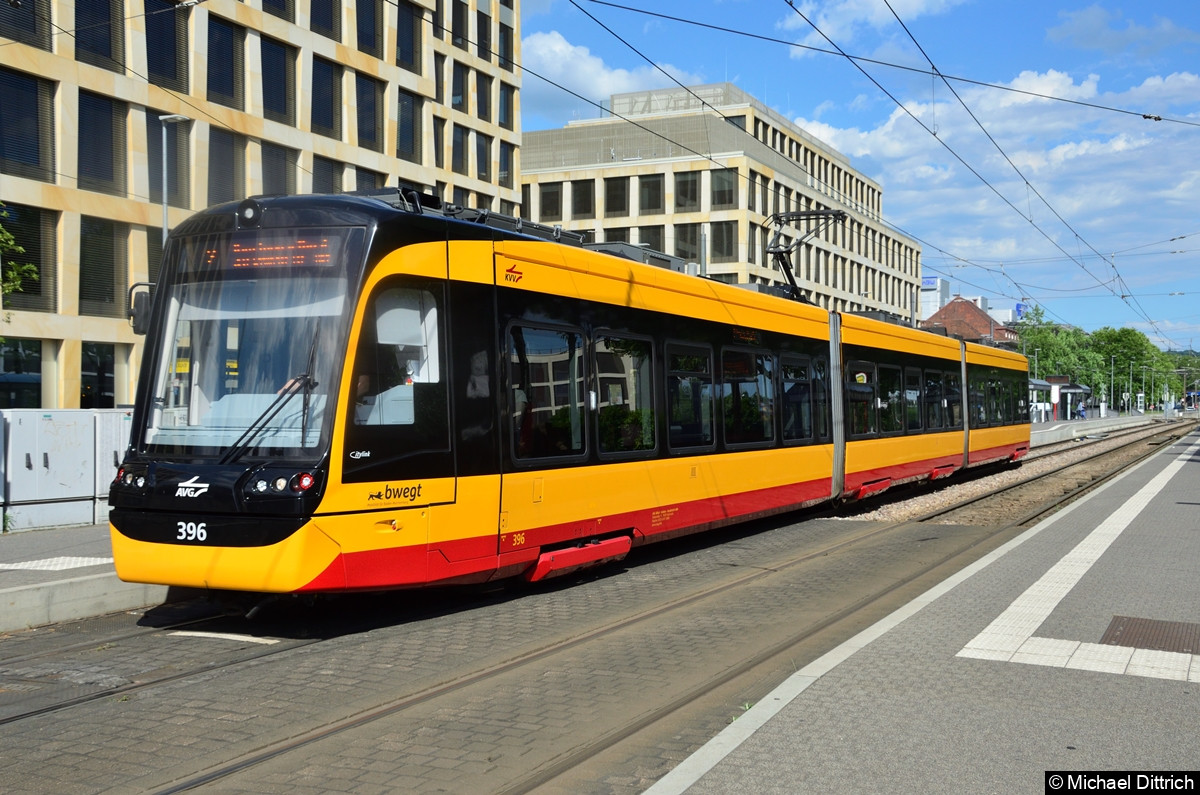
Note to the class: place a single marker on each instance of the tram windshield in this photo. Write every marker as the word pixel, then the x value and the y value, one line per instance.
pixel 254 326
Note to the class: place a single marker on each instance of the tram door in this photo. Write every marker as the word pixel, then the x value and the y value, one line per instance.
pixel 398 432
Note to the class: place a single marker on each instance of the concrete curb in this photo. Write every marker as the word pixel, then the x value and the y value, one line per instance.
pixel 67 600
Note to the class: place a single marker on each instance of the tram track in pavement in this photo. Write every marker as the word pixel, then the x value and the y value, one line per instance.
pixel 754 668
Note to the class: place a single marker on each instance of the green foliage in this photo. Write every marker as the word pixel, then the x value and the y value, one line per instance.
pixel 1121 360
pixel 14 272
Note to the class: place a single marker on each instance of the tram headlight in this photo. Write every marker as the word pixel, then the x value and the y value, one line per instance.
pixel 260 486
pixel 280 484
pixel 304 481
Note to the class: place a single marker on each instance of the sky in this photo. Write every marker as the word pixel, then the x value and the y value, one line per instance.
pixel 1041 153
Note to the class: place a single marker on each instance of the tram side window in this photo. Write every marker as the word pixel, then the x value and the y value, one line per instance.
pixel 689 397
pixel 935 400
pixel 797 399
pixel 891 400
pixel 821 409
pixel 546 378
pixel 953 400
pixel 398 372
pixel 912 400
pixel 747 396
pixel 398 415
pixel 1019 387
pixel 860 398
pixel 625 404
pixel 997 401
pixel 977 399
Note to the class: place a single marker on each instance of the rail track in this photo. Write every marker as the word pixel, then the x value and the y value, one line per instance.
pixel 598 686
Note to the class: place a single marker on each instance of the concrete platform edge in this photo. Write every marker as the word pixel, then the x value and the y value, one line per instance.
pixel 67 600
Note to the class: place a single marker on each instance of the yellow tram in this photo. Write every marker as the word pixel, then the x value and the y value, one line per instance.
pixel 356 392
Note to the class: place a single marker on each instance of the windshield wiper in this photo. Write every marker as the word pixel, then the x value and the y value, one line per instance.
pixel 309 385
pixel 290 389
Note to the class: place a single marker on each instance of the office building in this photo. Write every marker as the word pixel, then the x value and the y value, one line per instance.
pixel 242 98
pixel 698 172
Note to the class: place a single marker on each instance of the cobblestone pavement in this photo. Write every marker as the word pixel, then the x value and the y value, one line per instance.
pixel 495 731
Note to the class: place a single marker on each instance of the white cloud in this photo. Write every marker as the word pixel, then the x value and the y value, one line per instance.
pixel 550 57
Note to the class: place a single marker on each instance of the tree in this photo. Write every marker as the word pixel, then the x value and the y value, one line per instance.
pixel 14 273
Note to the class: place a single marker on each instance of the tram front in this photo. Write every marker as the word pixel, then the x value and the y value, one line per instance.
pixel 229 452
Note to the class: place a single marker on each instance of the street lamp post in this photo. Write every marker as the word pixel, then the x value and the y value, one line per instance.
pixel 1112 363
pixel 1035 362
pixel 164 120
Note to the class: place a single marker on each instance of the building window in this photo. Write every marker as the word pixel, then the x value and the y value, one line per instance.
pixel 483 35
pixel 458 87
pixel 687 241
pixel 551 201
pixel 439 79
pixel 369 93
pixel 20 374
pixel 36 231
pixel 616 197
pixel 178 174
pixel 279 169
pixel 366 179
pixel 458 24
pixel 100 33
pixel 651 237
pixel 26 22
pixel 439 142
pixel 583 198
pixel 724 241
pixel 408 37
pixel 483 96
pixel 508 95
pixel 506 47
pixel 724 189
pixel 650 194
pixel 103 267
pixel 327 98
pixel 616 234
pixel 279 81
pixel 507 152
pixel 96 376
pixel 226 166
pixel 225 65
pixel 439 15
pixel 327 175
pixel 167 46
pixel 458 150
pixel 687 192
pixel 409 126
pixel 102 151
pixel 369 16
pixel 325 18
pixel 483 157
pixel 284 9
pixel 26 126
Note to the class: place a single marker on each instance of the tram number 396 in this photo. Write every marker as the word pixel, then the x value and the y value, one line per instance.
pixel 191 531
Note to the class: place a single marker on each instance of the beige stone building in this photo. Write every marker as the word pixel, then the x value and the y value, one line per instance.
pixel 698 172
pixel 261 96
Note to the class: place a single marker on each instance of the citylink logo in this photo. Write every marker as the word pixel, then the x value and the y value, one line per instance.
pixel 191 488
